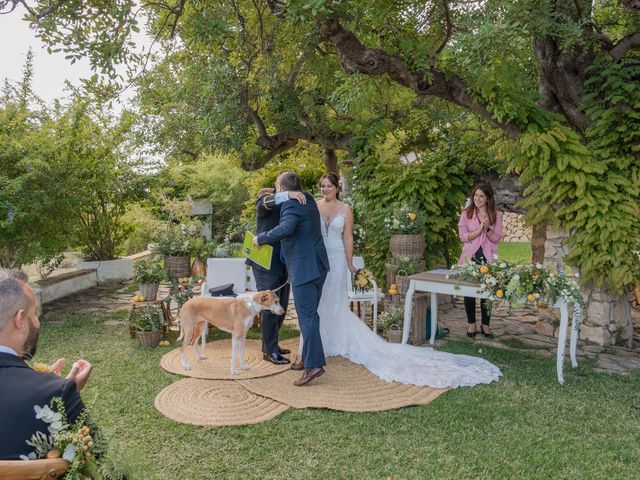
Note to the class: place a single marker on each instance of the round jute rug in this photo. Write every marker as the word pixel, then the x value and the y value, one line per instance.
pixel 215 403
pixel 217 366
pixel 345 386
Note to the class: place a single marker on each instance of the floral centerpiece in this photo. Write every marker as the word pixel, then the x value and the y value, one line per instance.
pixel 521 284
pixel 406 224
pixel 77 442
pixel 404 220
pixel 363 280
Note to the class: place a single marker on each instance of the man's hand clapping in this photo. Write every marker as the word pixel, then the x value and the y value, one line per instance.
pixel 80 372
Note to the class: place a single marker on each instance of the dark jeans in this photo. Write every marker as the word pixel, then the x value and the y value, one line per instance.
pixel 470 302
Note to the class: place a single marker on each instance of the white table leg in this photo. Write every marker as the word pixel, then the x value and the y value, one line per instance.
pixel 574 337
pixel 408 304
pixel 562 340
pixel 434 317
pixel 375 310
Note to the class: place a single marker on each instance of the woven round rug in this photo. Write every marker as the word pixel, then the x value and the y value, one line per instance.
pixel 345 386
pixel 217 366
pixel 215 403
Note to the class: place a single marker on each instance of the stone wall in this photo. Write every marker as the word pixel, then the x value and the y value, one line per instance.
pixel 513 228
pixel 604 317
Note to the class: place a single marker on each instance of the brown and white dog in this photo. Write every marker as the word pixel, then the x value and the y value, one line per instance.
pixel 232 315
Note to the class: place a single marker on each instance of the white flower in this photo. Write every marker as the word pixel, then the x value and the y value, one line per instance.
pixel 537 295
pixel 69 452
pixel 538 265
pixel 31 456
pixel 503 265
pixel 495 257
pixel 516 278
pixel 577 274
pixel 47 415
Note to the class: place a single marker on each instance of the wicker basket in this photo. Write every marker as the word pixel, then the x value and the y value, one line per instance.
pixel 149 290
pixel 150 339
pixel 177 267
pixel 408 246
pixel 394 334
pixel 402 282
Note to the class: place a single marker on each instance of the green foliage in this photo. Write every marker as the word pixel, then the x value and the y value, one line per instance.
pixel 173 241
pixel 436 183
pixel 591 186
pixel 147 318
pixel 406 266
pixel 149 271
pixel 37 208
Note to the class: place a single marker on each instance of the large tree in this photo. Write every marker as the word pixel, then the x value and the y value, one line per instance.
pixel 561 78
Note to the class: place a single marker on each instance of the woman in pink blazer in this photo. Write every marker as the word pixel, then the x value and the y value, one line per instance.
pixel 480 230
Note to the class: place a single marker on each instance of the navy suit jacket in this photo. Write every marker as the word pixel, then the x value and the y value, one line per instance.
pixel 267 217
pixel 301 241
pixel 21 388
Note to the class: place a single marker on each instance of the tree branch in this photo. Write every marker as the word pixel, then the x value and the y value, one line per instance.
pixel 355 57
pixel 623 46
pixel 39 16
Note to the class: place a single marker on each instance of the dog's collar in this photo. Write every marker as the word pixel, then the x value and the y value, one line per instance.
pixel 252 306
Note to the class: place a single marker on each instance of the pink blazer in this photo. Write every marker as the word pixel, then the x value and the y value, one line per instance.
pixel 489 244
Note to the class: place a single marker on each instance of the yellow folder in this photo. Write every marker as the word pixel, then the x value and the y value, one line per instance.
pixel 261 256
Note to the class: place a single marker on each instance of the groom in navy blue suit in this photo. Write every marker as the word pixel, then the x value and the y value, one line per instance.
pixel 307 263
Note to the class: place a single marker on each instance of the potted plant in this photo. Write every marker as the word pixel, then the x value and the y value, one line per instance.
pixel 403 270
pixel 406 225
pixel 149 274
pixel 174 244
pixel 200 251
pixel 147 322
pixel 391 320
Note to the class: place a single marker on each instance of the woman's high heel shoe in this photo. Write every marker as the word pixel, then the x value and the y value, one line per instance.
pixel 471 334
pixel 486 334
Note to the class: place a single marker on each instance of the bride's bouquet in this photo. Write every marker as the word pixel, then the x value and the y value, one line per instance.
pixel 362 280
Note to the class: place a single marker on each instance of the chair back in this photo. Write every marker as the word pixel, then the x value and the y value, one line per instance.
pixel 46 468
pixel 229 270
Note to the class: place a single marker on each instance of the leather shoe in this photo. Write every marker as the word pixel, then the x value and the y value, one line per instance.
pixel 298 366
pixel 283 351
pixel 309 374
pixel 275 358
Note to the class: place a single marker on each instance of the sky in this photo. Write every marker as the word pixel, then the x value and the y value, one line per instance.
pixel 50 71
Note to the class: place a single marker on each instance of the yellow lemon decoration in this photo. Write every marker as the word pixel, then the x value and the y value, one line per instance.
pixel 531 297
pixel 499 294
pixel 41 367
pixel 484 269
pixel 413 216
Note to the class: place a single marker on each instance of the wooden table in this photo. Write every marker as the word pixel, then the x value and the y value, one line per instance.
pixel 436 281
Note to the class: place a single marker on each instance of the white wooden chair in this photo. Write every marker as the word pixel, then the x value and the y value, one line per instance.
pixel 371 296
pixel 228 270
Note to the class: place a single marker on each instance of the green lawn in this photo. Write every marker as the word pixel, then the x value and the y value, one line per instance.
pixel 525 426
pixel 517 252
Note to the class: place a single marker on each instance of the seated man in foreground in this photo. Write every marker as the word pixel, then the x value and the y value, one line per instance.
pixel 22 387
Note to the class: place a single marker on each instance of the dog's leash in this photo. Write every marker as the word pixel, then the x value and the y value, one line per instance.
pixel 281 286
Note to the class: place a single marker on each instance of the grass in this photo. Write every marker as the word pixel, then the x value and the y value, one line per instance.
pixel 525 426
pixel 517 252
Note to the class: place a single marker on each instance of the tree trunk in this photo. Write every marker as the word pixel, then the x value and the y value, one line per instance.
pixel 331 161
pixel 538 239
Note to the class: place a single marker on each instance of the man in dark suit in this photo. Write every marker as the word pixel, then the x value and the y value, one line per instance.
pixel 267 217
pixel 307 263
pixel 23 387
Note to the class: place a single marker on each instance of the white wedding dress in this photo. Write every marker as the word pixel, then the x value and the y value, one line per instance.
pixel 344 334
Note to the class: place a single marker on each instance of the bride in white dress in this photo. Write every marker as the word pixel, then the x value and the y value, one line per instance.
pixel 344 334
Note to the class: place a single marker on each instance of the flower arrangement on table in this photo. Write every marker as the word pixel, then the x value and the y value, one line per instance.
pixel 363 280
pixel 520 284
pixel 77 443
pixel 404 220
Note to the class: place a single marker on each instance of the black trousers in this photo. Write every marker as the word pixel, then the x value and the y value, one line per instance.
pixel 470 302
pixel 270 323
